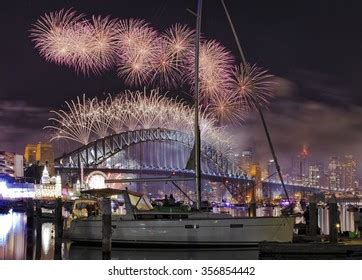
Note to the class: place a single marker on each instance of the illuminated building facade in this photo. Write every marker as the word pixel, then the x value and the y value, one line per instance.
pixel 300 166
pixel 334 174
pixel 255 173
pixel 30 154
pixel 272 171
pixel 315 175
pixel 42 153
pixel 349 174
pixel 7 163
pixel 18 166
pixel 246 160
pixel 11 164
pixel 50 187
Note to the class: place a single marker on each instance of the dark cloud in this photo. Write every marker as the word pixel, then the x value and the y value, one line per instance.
pixel 21 123
pixel 329 123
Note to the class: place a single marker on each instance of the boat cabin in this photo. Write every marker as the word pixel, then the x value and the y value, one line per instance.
pixel 131 205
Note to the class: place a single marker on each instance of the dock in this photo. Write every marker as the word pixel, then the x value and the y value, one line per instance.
pixel 349 249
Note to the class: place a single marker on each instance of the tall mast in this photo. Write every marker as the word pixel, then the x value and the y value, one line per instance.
pixel 266 130
pixel 196 124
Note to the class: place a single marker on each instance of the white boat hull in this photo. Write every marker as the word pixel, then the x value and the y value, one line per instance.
pixel 224 231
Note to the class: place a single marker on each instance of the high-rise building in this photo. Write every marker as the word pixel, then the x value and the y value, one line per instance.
pixel 315 175
pixel 300 170
pixel 45 154
pixel 7 163
pixel 246 161
pixel 349 173
pixel 255 173
pixel 19 166
pixel 334 173
pixel 11 164
pixel 272 171
pixel 42 153
pixel 30 154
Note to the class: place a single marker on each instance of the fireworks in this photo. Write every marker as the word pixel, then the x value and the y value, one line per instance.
pixel 145 57
pixel 52 35
pixel 214 69
pixel 179 40
pixel 253 85
pixel 137 49
pixel 67 38
pixel 75 123
pixel 226 108
pixel 102 116
pixel 102 44
pixel 131 111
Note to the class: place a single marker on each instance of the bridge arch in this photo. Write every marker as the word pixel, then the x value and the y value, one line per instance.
pixel 96 153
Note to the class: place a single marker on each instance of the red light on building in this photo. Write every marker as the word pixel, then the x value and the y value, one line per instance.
pixel 304 152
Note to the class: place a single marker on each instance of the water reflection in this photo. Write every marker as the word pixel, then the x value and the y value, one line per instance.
pixel 47 241
pixel 12 236
pixel 81 252
pixel 13 241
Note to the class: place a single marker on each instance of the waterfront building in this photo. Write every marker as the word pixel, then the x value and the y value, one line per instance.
pixel 11 164
pixel 45 179
pixel 49 187
pixel 19 166
pixel 6 163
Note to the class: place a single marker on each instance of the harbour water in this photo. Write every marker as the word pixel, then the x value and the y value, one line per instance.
pixel 13 241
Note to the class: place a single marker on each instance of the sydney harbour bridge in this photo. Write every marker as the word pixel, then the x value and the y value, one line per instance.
pixel 159 156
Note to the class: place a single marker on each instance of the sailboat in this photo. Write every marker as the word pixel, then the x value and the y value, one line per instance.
pixel 142 224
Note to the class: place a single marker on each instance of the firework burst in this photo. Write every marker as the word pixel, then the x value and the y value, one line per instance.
pixel 253 85
pixel 137 50
pixel 179 39
pixel 214 69
pixel 67 38
pixel 52 35
pixel 226 108
pixel 166 68
pixel 75 123
pixel 103 116
pixel 134 110
pixel 103 45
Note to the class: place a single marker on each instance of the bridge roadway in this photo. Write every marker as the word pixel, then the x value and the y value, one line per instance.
pixel 230 179
pixel 274 188
pixel 232 182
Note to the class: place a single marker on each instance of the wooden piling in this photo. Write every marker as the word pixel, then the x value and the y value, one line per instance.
pixel 313 215
pixel 38 230
pixel 58 223
pixel 30 229
pixel 252 209
pixel 333 219
pixel 106 229
pixel 252 205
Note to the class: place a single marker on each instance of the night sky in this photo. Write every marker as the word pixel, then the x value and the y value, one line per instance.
pixel 313 47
